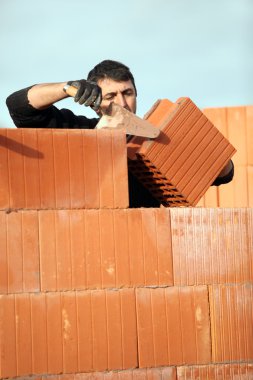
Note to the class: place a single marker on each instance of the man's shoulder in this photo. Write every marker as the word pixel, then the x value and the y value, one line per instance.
pixel 80 121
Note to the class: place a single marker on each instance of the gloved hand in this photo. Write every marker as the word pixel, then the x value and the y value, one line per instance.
pixel 88 93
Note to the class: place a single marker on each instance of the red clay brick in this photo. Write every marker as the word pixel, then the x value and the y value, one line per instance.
pixel 197 153
pixel 91 174
pixel 85 343
pixel 233 371
pixel 136 261
pixel 164 373
pixel 211 246
pixel 13 173
pixel 104 248
pixel 75 149
pixel 237 132
pixel 107 248
pixel 236 193
pixel 67 332
pixel 45 169
pixel 4 157
pixel 61 170
pixel 4 268
pixel 39 333
pixel 210 199
pixel 23 334
pixel 173 326
pixel 231 322
pixel 226 194
pixel 8 343
pixel 158 251
pixel 250 185
pixel 236 124
pixel 19 252
pixel 218 116
pixel 53 312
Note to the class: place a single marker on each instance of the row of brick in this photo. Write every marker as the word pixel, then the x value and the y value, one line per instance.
pixel 99 330
pixel 235 371
pixel 54 250
pixel 80 249
pixel 43 169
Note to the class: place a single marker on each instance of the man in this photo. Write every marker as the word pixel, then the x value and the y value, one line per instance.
pixel 109 81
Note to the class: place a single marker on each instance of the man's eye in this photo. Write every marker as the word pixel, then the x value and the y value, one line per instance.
pixel 109 97
pixel 129 93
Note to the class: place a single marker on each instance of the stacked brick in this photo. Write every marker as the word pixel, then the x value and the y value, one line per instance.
pixel 93 290
pixel 236 124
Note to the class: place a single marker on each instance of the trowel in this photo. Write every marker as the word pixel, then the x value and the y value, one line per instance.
pixel 120 118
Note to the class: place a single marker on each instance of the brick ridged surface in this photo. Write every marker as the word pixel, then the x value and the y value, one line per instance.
pixel 181 164
pixel 53 250
pixel 173 326
pixel 67 332
pixel 236 124
pixel 118 293
pixel 241 371
pixel 62 169
pixel 163 373
pixel 231 322
pixel 212 246
pixel 178 292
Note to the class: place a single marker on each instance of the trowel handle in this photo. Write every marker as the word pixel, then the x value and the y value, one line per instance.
pixel 70 90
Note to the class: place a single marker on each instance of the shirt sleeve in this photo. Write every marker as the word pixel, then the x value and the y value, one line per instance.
pixel 24 115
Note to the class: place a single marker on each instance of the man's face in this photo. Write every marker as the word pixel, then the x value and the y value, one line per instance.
pixel 122 93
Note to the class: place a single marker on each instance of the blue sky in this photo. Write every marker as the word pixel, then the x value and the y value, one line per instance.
pixel 202 49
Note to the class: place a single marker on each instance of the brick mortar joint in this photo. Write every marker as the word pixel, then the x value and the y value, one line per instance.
pixel 112 289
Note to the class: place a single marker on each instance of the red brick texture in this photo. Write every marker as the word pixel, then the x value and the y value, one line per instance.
pixel 90 289
pixel 238 371
pixel 236 124
pixel 56 318
pixel 55 169
pixel 181 164
pixel 163 373
pixel 212 246
pixel 54 250
pixel 68 332
pixel 173 326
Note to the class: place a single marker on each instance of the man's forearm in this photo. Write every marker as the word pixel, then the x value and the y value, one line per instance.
pixel 41 96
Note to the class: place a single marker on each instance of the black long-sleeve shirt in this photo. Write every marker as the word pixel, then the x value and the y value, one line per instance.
pixel 24 115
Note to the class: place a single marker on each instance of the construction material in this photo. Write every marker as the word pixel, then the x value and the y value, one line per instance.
pixel 184 160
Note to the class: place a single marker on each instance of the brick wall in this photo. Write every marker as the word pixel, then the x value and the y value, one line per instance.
pixel 90 289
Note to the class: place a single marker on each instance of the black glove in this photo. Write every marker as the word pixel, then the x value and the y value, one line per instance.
pixel 88 93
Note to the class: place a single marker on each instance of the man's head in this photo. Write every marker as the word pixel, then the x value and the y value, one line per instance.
pixel 117 84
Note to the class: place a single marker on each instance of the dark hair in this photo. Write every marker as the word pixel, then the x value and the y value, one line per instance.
pixel 113 70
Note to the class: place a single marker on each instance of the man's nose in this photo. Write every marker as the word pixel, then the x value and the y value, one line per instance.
pixel 121 100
